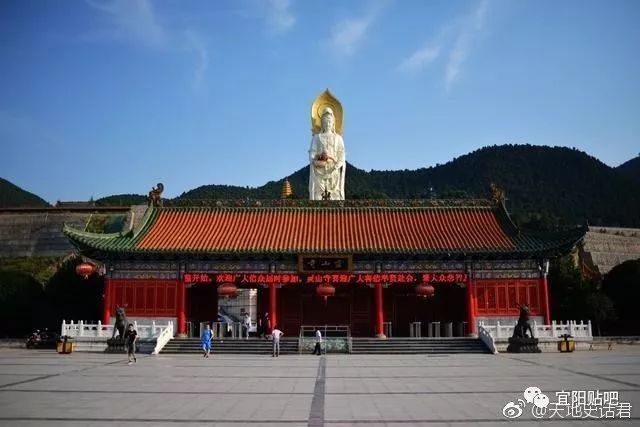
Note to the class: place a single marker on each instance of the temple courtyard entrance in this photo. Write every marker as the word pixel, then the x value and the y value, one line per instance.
pixel 44 388
pixel 355 307
pixel 407 314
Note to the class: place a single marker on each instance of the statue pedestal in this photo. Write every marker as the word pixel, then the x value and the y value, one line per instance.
pixel 523 345
pixel 115 345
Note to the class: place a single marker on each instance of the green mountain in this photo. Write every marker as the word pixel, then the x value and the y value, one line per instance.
pixel 122 200
pixel 12 196
pixel 545 186
pixel 631 168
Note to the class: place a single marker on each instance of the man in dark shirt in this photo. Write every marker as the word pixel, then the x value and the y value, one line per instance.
pixel 130 338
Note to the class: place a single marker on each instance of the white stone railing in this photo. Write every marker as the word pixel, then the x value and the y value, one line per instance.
pixel 226 330
pixel 554 330
pixel 81 329
pixel 487 339
pixel 164 337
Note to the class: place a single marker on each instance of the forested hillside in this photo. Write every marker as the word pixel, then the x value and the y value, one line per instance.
pixel 13 196
pixel 545 186
pixel 631 168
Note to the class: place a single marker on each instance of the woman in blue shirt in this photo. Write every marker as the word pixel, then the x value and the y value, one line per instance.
pixel 205 339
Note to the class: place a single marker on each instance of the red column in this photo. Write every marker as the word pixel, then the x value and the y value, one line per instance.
pixel 545 299
pixel 182 303
pixel 273 304
pixel 106 304
pixel 379 311
pixel 471 317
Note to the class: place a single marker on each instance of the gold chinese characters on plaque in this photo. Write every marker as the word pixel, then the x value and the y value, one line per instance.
pixel 325 263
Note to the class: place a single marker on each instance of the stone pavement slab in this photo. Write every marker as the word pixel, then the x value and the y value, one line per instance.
pixel 42 387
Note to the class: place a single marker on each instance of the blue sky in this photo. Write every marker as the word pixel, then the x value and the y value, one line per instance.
pixel 107 97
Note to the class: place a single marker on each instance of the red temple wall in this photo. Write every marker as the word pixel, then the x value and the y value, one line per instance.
pixel 503 297
pixel 145 297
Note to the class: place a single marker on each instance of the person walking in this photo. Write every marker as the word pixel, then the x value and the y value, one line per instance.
pixel 259 328
pixel 318 340
pixel 275 336
pixel 130 338
pixel 247 324
pixel 205 340
pixel 266 325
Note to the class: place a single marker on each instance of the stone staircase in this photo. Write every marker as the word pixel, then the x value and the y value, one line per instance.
pixel 230 346
pixel 359 346
pixel 417 346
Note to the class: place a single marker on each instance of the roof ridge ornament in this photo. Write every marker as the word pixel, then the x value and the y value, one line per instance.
pixel 155 194
pixel 498 194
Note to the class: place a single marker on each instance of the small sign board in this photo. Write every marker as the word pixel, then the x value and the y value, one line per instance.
pixel 325 263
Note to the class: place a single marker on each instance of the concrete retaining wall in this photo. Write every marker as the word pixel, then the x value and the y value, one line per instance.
pixel 99 345
pixel 13 343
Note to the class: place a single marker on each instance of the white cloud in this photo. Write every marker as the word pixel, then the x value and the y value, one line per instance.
pixel 471 27
pixel 196 44
pixel 347 35
pixel 279 16
pixel 134 20
pixel 420 59
pixel 455 42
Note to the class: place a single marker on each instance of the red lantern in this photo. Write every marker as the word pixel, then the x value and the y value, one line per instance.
pixel 227 290
pixel 85 269
pixel 326 291
pixel 425 290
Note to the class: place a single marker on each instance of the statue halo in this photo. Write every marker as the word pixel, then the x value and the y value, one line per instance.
pixel 321 103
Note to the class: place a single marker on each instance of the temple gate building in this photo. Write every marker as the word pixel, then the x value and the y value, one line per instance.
pixel 374 254
pixel 376 266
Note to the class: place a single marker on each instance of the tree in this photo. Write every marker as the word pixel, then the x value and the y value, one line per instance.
pixel 576 297
pixel 601 308
pixel 21 304
pixel 70 296
pixel 566 289
pixel 622 285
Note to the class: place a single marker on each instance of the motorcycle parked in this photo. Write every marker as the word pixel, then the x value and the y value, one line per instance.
pixel 42 339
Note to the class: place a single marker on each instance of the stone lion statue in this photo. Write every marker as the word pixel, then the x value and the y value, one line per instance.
pixel 121 322
pixel 523 326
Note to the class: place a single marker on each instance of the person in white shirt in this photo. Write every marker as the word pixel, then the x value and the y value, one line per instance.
pixel 318 340
pixel 246 323
pixel 275 335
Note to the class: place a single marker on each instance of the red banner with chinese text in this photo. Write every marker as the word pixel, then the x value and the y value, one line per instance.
pixel 334 278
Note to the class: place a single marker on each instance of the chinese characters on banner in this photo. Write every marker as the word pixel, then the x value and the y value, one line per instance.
pixel 197 278
pixel 334 278
pixel 444 277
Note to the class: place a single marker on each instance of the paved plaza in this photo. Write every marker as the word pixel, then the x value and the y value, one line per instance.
pixel 85 389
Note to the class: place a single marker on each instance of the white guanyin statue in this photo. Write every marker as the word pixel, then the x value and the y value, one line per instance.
pixel 327 160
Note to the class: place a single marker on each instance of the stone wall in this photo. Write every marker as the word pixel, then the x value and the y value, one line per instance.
pixel 38 232
pixel 605 247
